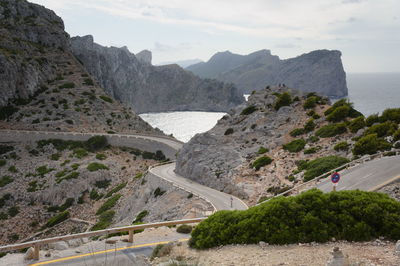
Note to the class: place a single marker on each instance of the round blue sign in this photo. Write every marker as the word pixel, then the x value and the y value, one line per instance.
pixel 335 177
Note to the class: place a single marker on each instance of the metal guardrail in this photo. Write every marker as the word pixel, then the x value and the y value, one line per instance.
pixel 36 244
pixel 342 167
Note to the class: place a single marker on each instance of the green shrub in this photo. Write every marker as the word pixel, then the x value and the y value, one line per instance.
pixel 284 99
pixel 262 150
pixel 68 203
pixel 88 82
pixel 184 229
pixel 297 132
pixel 13 211
pixel 108 204
pixel 5 180
pixel 159 155
pixel 5 149
pixel 310 102
pixel 370 144
pixel 161 250
pixel 295 145
pixel 339 114
pixel 341 146
pixel 249 110
pixel 138 175
pixel 105 220
pixel 311 150
pixel 2 162
pixel 312 216
pixel 94 195
pixel 12 169
pixel 313 139
pixel 396 135
pixel 158 192
pixel 92 167
pixel 310 125
pixel 372 119
pixel 58 218
pixel 260 162
pixel 101 156
pixel 322 165
pixel 391 114
pixel 140 216
pixel 106 99
pixel 55 156
pixel 116 189
pixel 331 130
pixel 43 170
pixel 228 131
pixel 96 143
pixel 103 183
pixel 80 153
pixel 383 129
pixel 3 216
pixel 75 166
pixel 7 111
pixel 357 124
pixel 72 175
pixel 68 85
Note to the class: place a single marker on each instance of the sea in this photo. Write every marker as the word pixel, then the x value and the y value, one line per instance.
pixel 369 92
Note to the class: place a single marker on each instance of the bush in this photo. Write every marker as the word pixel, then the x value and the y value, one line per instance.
pixel 158 192
pixel 140 216
pixel 311 102
pixel 2 162
pixel 313 139
pixel 94 195
pixel 68 85
pixel 106 99
pixel 139 175
pixel 108 204
pixel 341 146
pixel 297 132
pixel 92 167
pixel 13 211
pixel 249 110
pixel 184 229
pixel 322 165
pixel 101 156
pixel 339 114
pixel 260 162
pixel 103 183
pixel 43 170
pixel 312 216
pixel 116 189
pixel 228 131
pixel 356 124
pixel 372 119
pixel 331 130
pixel 295 145
pixel 284 99
pixel 310 125
pixel 370 144
pixel 80 153
pixel 5 148
pixel 12 169
pixel 262 150
pixel 7 111
pixel 88 82
pixel 383 129
pixel 311 150
pixel 392 114
pixel 55 156
pixel 5 180
pixel 96 143
pixel 161 250
pixel 105 220
pixel 396 135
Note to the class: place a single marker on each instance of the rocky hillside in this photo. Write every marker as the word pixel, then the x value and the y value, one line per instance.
pixel 59 187
pixel 146 88
pixel 271 143
pixel 43 86
pixel 319 71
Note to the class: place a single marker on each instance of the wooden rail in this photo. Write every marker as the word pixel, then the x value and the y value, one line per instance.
pixel 36 244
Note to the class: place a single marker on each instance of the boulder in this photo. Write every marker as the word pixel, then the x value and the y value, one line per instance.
pixel 61 245
pixel 29 254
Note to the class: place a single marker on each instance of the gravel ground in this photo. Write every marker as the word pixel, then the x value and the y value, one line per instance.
pixel 367 253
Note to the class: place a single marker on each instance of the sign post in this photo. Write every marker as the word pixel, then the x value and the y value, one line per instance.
pixel 335 177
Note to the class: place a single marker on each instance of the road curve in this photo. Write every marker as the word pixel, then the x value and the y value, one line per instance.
pixel 220 200
pixel 368 176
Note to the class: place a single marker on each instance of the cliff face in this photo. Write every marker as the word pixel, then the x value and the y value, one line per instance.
pixel 146 88
pixel 29 35
pixel 319 71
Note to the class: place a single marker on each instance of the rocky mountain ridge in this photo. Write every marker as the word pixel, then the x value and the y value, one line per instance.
pixel 148 88
pixel 319 71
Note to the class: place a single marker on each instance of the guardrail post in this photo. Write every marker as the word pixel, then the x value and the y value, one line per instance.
pixel 130 238
pixel 36 249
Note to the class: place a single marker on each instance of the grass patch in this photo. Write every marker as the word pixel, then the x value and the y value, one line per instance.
pixel 116 189
pixel 101 156
pixel 110 203
pixel 106 98
pixel 92 167
pixel 58 218
pixel 105 220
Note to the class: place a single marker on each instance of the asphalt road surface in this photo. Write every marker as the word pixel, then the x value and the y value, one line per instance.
pixel 368 176
pixel 220 200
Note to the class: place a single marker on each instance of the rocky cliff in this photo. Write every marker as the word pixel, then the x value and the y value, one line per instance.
pixel 319 71
pixel 146 88
pixel 247 152
pixel 29 34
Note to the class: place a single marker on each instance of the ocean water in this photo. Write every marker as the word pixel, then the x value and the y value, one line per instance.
pixel 371 93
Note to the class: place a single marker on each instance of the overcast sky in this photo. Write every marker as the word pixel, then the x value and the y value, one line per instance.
pixel 366 31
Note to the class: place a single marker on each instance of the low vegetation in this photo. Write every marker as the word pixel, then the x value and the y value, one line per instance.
pixel 58 218
pixel 295 145
pixel 108 204
pixel 105 220
pixel 331 130
pixel 92 167
pixel 283 99
pixel 184 229
pixel 320 166
pixel 249 110
pixel 260 162
pixel 312 216
pixel 370 144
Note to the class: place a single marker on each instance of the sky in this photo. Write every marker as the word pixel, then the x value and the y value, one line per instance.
pixel 367 32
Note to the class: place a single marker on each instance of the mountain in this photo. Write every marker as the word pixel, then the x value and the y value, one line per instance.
pixel 148 88
pixel 319 71
pixel 182 63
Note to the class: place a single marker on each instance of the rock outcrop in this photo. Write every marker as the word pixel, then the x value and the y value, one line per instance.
pixel 148 88
pixel 223 157
pixel 29 34
pixel 319 71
